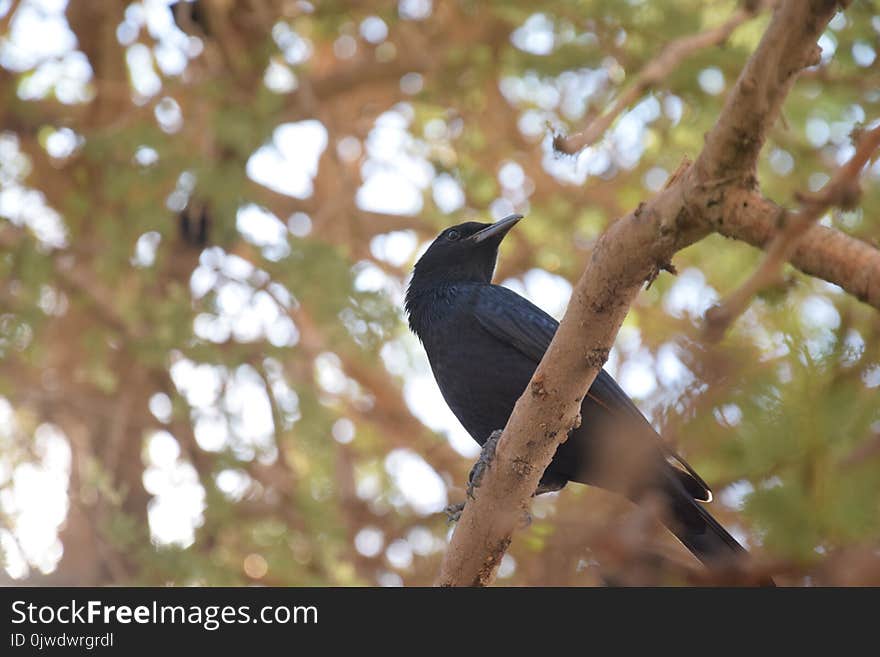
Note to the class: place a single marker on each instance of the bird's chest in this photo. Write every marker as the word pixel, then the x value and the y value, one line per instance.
pixel 480 377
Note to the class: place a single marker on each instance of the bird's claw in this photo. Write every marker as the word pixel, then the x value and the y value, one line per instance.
pixel 453 512
pixel 475 478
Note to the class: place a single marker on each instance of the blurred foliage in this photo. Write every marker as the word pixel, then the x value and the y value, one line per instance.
pixel 203 361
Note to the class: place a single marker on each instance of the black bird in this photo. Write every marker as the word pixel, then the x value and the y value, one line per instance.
pixel 484 342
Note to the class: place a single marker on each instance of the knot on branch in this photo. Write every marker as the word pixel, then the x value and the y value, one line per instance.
pixel 655 272
pixel 537 387
pixel 566 144
pixel 491 563
pixel 597 357
pixel 814 56
pixel 522 467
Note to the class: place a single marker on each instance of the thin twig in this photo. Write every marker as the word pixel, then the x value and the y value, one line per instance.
pixel 842 191
pixel 6 19
pixel 658 69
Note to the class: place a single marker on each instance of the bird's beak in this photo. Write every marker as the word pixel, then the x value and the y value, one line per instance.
pixel 500 227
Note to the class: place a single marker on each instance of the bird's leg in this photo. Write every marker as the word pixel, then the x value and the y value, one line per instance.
pixel 550 483
pixel 475 478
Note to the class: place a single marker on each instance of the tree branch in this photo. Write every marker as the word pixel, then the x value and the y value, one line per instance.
pixel 823 252
pixel 6 19
pixel 627 255
pixel 842 190
pixel 787 47
pixel 672 55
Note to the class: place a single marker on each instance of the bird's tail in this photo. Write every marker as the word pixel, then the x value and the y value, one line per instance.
pixel 704 536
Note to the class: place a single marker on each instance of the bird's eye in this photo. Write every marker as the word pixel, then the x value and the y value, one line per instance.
pixel 453 235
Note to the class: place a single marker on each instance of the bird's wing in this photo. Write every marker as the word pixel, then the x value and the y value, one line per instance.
pixel 514 320
pixel 521 324
pixel 518 322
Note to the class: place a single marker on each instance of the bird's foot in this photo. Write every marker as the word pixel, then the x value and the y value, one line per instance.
pixel 475 478
pixel 453 512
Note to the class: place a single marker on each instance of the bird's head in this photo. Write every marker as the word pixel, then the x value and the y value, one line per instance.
pixel 463 253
